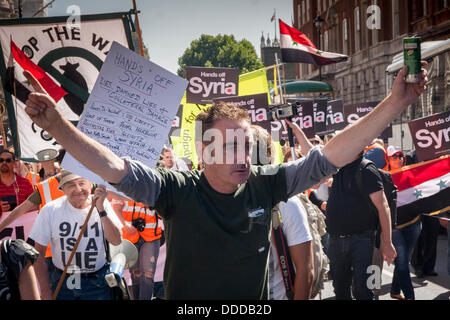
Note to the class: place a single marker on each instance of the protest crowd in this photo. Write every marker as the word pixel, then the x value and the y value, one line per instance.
pixel 203 232
pixel 124 209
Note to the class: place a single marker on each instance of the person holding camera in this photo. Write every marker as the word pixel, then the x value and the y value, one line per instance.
pixel 218 219
pixel 141 227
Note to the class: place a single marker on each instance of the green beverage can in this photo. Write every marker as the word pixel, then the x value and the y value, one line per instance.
pixel 412 59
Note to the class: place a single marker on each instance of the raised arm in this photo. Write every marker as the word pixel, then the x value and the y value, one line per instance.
pixel 345 146
pixel 18 211
pixel 42 109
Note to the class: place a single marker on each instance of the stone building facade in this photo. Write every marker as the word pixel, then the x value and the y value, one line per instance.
pixel 371 33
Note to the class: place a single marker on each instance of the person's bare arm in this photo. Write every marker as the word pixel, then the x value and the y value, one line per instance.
pixel 384 215
pixel 302 140
pixel 112 232
pixel 345 146
pixel 302 258
pixel 28 284
pixel 41 272
pixel 42 109
pixel 18 211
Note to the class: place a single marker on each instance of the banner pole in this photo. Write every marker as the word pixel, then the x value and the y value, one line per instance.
pixel 2 127
pixel 279 80
pixel 75 247
pixel 138 29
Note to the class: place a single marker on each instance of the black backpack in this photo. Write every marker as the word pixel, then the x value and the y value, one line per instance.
pixel 390 191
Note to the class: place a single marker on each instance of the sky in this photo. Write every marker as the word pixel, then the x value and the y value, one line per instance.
pixel 169 26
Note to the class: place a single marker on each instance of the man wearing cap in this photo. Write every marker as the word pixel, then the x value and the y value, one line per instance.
pixel 396 158
pixel 59 223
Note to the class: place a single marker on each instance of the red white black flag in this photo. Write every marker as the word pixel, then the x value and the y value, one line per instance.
pixel 422 188
pixel 296 47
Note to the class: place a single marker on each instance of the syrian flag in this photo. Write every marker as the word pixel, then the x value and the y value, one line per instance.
pixel 422 188
pixel 22 90
pixel 273 16
pixel 296 47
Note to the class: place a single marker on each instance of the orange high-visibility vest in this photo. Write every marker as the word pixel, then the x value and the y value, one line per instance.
pixel 33 178
pixel 134 210
pixel 48 190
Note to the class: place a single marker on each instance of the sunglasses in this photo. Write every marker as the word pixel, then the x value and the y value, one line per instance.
pixel 398 156
pixel 315 141
pixel 5 160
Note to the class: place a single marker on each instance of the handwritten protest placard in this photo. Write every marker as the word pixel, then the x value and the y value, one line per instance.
pixel 130 109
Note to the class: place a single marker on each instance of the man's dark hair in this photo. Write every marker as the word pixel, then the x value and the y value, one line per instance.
pixel 220 111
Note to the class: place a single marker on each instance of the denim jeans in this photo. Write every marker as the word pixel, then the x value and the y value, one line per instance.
pixel 350 258
pixel 143 271
pixel 448 249
pixel 404 240
pixel 76 287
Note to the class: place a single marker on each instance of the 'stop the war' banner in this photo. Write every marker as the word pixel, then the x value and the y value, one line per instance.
pixel 70 53
pixel 431 135
pixel 206 84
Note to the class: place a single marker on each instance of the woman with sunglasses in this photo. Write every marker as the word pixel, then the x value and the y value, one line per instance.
pixel 404 238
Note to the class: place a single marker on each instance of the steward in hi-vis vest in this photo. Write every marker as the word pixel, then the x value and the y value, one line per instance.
pixel 143 219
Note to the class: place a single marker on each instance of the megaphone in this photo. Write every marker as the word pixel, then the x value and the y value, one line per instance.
pixel 123 256
pixel 46 155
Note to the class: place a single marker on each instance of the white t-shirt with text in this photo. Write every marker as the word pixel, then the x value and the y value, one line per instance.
pixel 60 223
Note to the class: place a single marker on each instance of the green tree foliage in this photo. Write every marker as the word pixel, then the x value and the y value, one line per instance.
pixel 220 51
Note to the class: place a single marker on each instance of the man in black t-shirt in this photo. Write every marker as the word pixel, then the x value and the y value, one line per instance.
pixel 351 222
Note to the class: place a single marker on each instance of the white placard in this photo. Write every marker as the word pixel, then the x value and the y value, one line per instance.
pixel 130 110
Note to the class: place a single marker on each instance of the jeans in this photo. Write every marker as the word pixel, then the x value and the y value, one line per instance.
pixel 404 240
pixel 350 257
pixel 81 287
pixel 143 271
pixel 424 254
pixel 158 291
pixel 448 249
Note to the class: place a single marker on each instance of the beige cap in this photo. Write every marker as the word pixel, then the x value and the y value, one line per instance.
pixel 67 176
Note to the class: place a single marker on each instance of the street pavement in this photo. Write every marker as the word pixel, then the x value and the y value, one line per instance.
pixel 427 288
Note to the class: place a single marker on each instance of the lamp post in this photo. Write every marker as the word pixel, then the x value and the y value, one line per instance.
pixel 318 22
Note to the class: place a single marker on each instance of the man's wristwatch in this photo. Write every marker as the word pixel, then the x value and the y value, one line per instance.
pixel 102 213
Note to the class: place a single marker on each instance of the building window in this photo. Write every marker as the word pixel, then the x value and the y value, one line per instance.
pixel 375 30
pixel 299 16
pixel 308 5
pixel 345 36
pixel 325 5
pixel 325 41
pixel 357 30
pixel 357 21
pixel 395 19
pixel 425 11
pixel 319 8
pixel 303 12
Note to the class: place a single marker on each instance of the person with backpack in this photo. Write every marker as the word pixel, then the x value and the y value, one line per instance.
pixel 404 237
pixel 352 222
pixel 291 239
pixel 376 153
